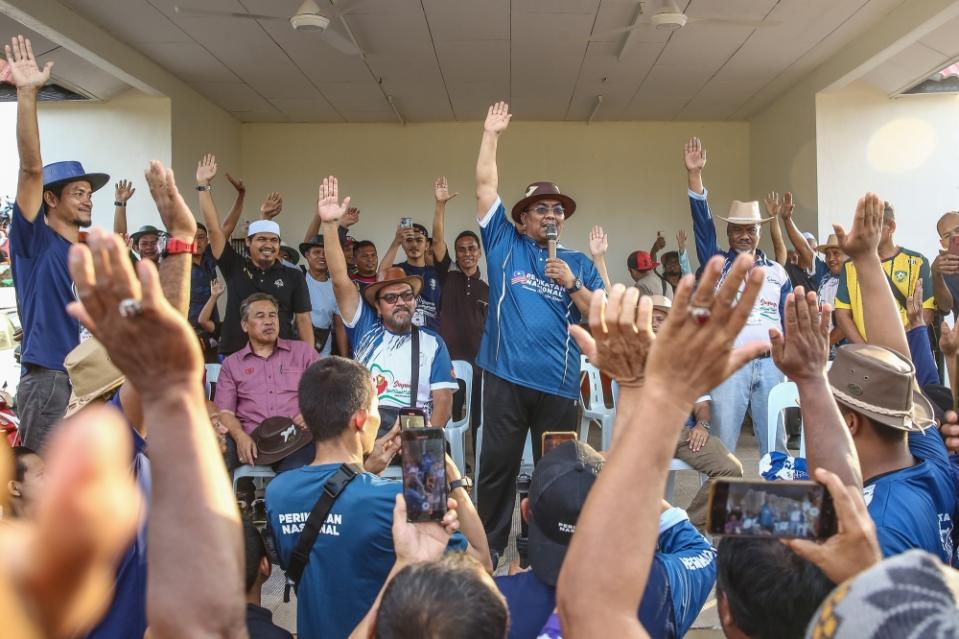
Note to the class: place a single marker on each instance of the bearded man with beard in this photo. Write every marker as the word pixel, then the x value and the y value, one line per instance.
pixel 747 388
pixel 381 330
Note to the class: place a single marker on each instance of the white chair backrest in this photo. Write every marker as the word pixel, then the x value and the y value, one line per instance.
pixel 597 400
pixel 212 375
pixel 464 371
pixel 782 396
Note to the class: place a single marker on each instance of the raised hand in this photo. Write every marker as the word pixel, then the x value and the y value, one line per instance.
pixel 694 155
pixel 659 244
pixel 441 191
pixel 217 288
pixel 124 191
pixel 681 239
pixel 863 238
pixel 206 169
pixel 176 215
pixel 22 68
pixel 693 351
pixel 786 211
pixel 619 336
pixel 425 541
pixel 237 183
pixel 949 339
pixel 351 217
pixel 147 330
pixel 328 205
pixel 497 118
pixel 402 232
pixel 773 204
pixel 855 547
pixel 598 241
pixel 271 206
pixel 914 308
pixel 803 351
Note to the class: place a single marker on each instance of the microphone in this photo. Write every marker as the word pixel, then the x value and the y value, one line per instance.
pixel 551 237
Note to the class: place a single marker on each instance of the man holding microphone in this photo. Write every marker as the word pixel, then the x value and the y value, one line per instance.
pixel 530 363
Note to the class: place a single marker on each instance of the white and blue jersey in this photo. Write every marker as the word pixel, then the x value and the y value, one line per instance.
pixel 914 507
pixel 768 310
pixel 526 340
pixel 387 355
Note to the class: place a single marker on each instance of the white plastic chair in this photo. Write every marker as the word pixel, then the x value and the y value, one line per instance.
pixel 212 375
pixel 674 467
pixel 782 396
pixel 456 429
pixel 263 473
pixel 595 410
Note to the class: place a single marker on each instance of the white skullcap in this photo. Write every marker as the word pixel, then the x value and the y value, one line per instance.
pixel 263 226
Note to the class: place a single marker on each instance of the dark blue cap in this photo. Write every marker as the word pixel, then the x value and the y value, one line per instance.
pixel 69 171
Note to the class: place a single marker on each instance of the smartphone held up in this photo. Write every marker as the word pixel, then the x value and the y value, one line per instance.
pixel 776 509
pixel 424 473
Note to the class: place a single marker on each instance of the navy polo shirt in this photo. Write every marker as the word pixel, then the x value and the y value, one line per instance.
pixel 427 312
pixel 200 277
pixel 526 340
pixel 43 285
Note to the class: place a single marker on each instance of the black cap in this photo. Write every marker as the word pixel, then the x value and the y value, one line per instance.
pixel 557 493
pixel 422 229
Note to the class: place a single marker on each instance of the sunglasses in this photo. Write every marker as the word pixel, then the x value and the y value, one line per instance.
pixel 391 298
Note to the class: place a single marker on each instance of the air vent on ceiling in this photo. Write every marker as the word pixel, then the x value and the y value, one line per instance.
pixel 49 93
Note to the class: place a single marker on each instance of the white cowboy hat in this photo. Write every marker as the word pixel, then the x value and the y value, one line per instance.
pixel 744 213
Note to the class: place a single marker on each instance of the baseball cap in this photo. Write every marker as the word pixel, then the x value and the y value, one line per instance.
pixel 641 261
pixel 421 229
pixel 557 493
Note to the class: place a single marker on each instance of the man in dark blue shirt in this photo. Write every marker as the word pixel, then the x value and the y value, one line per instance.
pixel 53 203
pixel 683 570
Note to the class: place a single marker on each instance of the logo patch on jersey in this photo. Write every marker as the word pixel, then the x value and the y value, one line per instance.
pixel 248 371
pixel 278 283
pixel 388 387
pixel 530 282
pixel 900 276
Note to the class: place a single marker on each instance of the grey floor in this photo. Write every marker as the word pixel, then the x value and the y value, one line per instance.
pixel 686 485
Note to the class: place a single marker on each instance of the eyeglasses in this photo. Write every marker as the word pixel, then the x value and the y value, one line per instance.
pixel 542 209
pixel 391 298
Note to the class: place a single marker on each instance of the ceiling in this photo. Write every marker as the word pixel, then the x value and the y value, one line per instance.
pixel 447 60
pixel 919 60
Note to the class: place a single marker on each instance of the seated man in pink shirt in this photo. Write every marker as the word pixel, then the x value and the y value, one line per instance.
pixel 260 381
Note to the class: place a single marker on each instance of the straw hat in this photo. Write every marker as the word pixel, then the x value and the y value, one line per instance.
pixel 744 213
pixel 832 242
pixel 92 374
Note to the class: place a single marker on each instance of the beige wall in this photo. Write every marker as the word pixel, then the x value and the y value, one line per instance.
pixel 905 149
pixel 627 177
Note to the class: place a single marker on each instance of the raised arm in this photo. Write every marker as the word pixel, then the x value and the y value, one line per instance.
pixel 205 319
pixel 487 178
pixel 801 354
pixel 329 210
pixel 271 206
pixel 658 245
pixel 24 72
pixel 704 228
pixel 694 157
pixel 122 193
pixel 389 257
pixel 773 208
pixel 807 257
pixel 233 217
pixel 205 172
pixel 681 238
pixel 442 195
pixel 880 313
pixel 598 244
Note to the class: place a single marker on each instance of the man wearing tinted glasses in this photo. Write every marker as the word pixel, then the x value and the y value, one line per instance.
pixel 381 331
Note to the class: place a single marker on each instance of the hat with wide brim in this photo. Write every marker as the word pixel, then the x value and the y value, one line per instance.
pixel 388 276
pixel 92 374
pixel 831 242
pixel 744 213
pixel 146 229
pixel 294 255
pixel 277 438
pixel 59 173
pixel 661 302
pixel 543 191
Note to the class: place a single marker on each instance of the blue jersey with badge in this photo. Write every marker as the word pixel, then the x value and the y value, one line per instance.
pixel 526 340
pixel 915 507
pixel 681 576
pixel 388 357
pixel 38 257
pixel 353 553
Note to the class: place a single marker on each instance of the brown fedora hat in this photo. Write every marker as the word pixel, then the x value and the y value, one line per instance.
pixel 542 191
pixel 881 384
pixel 391 275
pixel 277 438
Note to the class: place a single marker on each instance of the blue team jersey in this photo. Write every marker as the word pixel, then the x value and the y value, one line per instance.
pixel 353 553
pixel 914 507
pixel 526 340
pixel 127 615
pixel 682 574
pixel 38 257
pixel 387 355
pixel 428 308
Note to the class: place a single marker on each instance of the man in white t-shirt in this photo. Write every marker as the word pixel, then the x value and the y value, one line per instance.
pixel 327 323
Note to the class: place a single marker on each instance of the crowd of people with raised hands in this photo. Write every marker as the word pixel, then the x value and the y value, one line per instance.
pixel 121 516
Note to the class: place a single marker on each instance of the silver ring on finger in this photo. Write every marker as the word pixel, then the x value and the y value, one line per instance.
pixel 700 314
pixel 130 308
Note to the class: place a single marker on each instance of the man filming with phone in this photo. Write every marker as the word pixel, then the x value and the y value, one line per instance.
pixel 410 366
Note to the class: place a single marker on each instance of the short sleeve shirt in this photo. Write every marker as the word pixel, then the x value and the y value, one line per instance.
pixel 428 309
pixel 465 305
pixel 526 340
pixel 903 269
pixel 353 553
pixel 43 286
pixel 243 278
pixel 200 277
pixel 387 355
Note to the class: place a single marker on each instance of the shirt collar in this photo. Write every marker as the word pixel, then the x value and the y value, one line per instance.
pixel 281 344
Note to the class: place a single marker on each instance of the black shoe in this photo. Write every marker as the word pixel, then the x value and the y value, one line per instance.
pixel 793 443
pixel 259 512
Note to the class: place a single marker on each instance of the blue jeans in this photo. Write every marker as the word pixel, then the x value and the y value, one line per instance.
pixel 747 388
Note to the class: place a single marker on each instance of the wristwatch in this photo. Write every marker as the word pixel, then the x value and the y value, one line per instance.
pixel 175 247
pixel 463 482
pixel 204 187
pixel 120 204
pixel 577 285
pixel 703 423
